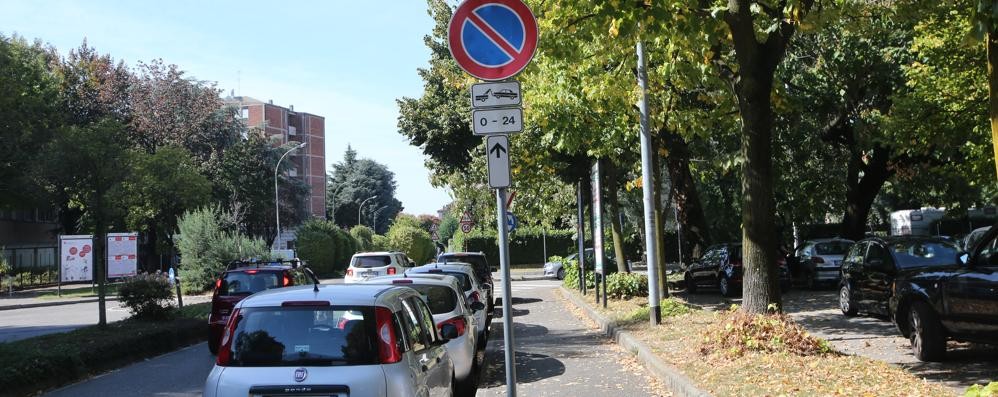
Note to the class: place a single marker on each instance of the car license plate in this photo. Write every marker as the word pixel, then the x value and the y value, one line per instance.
pixel 369 273
pixel 300 395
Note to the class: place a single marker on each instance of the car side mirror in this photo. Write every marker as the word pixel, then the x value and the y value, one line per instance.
pixel 476 306
pixel 448 332
pixel 487 286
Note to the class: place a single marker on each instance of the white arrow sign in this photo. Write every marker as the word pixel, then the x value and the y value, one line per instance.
pixel 490 95
pixel 497 121
pixel 497 152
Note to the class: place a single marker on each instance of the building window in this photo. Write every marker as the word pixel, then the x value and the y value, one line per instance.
pixel 244 113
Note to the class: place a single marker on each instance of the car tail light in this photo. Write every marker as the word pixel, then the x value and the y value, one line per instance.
pixel 435 271
pixel 225 351
pixel 388 349
pixel 817 259
pixel 458 322
pixel 218 284
pixel 349 272
pixel 391 270
pixel 287 280
pixel 304 303
pixel 475 297
pixel 252 271
pixel 402 281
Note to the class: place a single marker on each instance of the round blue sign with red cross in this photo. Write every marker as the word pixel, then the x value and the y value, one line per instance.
pixel 492 39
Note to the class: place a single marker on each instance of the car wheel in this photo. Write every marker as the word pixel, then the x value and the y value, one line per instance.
pixel 561 274
pixel 691 285
pixel 926 333
pixel 846 302
pixel 725 286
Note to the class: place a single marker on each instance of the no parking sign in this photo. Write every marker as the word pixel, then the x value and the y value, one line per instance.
pixel 492 39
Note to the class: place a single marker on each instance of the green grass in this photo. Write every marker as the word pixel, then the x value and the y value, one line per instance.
pixel 33 365
pixel 78 292
pixel 669 307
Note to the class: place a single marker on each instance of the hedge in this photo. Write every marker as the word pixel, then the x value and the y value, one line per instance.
pixel 36 364
pixel 325 247
pixel 526 245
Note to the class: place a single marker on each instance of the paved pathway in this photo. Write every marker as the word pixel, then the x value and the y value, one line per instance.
pixel 556 354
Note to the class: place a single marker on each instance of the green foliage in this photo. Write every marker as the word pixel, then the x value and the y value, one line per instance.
pixel 5 268
pixel 326 247
pixel 448 226
pixel 670 307
pixel 991 390
pixel 413 241
pixel 526 245
pixel 571 280
pixel 626 285
pixel 147 296
pixel 207 242
pixel 353 181
pixel 379 243
pixel 364 236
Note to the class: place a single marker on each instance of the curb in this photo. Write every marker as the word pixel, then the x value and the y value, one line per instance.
pixel 673 379
pixel 527 278
pixel 56 303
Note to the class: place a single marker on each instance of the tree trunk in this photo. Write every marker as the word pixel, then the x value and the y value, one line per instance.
pixel 612 180
pixel 693 223
pixel 860 192
pixel 992 43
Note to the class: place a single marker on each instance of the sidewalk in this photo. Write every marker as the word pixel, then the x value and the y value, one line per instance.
pixel 522 275
pixel 73 294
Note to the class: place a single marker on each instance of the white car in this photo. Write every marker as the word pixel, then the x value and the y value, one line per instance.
pixel 473 292
pixel 333 340
pixel 446 300
pixel 821 259
pixel 365 265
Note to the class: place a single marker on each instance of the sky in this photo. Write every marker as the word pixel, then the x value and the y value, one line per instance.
pixel 345 60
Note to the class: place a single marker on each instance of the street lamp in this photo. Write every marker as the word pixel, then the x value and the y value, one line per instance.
pixel 374 219
pixel 277 201
pixel 359 219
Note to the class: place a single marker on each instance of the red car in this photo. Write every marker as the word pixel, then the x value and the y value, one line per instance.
pixel 242 279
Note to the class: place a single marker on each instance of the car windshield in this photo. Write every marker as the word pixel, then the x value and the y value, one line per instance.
pixel 973 238
pixel 441 299
pixel 921 253
pixel 832 248
pixel 248 282
pixel 372 261
pixel 313 336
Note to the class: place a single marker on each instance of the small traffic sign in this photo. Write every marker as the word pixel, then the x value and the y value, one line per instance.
pixel 497 152
pixel 497 121
pixel 434 235
pixel 466 218
pixel 466 227
pixel 490 95
pixel 511 221
pixel 492 39
pixel 434 227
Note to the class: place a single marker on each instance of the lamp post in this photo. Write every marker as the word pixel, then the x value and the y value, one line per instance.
pixel 361 207
pixel 277 200
pixel 374 219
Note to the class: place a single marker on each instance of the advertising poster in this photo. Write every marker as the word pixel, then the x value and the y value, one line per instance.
pixel 122 254
pixel 76 258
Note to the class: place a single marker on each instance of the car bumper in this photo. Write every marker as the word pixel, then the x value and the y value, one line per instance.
pixel 826 274
pixel 462 352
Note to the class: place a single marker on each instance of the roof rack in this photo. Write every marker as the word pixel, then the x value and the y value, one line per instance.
pixel 257 264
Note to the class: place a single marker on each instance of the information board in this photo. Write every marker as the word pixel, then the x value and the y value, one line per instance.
pixel 76 258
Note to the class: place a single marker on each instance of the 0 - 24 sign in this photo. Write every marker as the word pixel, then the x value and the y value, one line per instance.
pixel 497 121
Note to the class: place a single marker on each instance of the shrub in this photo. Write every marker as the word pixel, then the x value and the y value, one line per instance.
pixel 5 268
pixel 379 243
pixel 325 247
pixel 526 245
pixel 669 307
pixel 991 390
pixel 414 242
pixel 363 235
pixel 571 280
pixel 739 332
pixel 147 296
pixel 626 285
pixel 206 247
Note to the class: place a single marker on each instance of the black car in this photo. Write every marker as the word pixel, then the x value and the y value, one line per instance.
pixel 721 267
pixel 958 301
pixel 871 266
pixel 483 272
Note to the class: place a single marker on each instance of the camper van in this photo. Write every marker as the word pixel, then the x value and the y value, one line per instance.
pixel 919 222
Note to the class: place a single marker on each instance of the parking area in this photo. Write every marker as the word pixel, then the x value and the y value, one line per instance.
pixel 877 338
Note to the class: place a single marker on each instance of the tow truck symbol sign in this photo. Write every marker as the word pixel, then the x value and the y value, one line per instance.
pixel 489 95
pixel 505 93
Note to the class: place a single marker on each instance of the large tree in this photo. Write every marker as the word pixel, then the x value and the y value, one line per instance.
pixel 353 181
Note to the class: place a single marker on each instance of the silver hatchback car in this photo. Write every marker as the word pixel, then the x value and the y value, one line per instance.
pixel 333 340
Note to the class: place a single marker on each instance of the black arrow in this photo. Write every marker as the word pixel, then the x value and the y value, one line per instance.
pixel 498 149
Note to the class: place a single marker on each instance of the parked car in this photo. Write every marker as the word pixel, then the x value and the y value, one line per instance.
pixel 967 242
pixel 333 340
pixel 365 265
pixel 871 266
pixel 245 278
pixel 821 259
pixel 445 298
pixel 721 267
pixel 483 272
pixel 957 300
pixel 473 292
pixel 556 269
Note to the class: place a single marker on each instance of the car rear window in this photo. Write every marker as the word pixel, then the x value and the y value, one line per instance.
pixel 924 253
pixel 462 278
pixel 441 299
pixel 312 336
pixel 249 282
pixel 372 261
pixel 477 262
pixel 832 248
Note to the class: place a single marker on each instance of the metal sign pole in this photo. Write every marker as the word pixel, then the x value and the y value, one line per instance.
pixel 581 230
pixel 651 246
pixel 507 304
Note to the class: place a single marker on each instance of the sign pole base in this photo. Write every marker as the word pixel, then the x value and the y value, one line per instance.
pixel 507 299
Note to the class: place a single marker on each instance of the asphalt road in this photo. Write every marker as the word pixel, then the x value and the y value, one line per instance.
pixel 556 355
pixel 26 323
